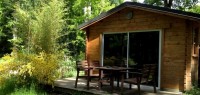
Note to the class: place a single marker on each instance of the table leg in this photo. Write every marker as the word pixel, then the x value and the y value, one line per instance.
pixel 99 79
pixel 112 81
pixel 118 80
pixel 122 83
pixel 88 79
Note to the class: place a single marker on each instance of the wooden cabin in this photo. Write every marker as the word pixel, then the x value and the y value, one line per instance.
pixel 132 34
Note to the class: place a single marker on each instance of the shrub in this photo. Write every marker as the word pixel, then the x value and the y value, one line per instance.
pixel 67 68
pixel 194 91
pixel 7 68
pixel 10 87
pixel 7 86
pixel 41 69
pixel 35 55
pixel 32 90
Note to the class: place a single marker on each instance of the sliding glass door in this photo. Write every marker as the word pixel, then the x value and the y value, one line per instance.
pixel 144 47
pixel 115 49
pixel 132 49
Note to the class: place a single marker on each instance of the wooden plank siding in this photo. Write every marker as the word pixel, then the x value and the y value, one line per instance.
pixel 188 59
pixel 176 49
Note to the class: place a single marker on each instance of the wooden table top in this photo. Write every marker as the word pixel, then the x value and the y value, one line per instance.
pixel 113 68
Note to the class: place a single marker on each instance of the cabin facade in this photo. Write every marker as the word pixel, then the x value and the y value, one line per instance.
pixel 140 34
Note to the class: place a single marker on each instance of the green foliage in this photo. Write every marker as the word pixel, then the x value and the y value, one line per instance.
pixel 11 87
pixel 6 10
pixel 32 90
pixel 74 39
pixel 38 27
pixel 42 68
pixel 154 2
pixel 7 86
pixel 47 27
pixel 184 4
pixel 195 9
pixel 194 91
pixel 97 7
pixel 6 68
pixel 117 2
pixel 68 68
pixel 28 68
pixel 22 28
pixel 176 4
pixel 32 20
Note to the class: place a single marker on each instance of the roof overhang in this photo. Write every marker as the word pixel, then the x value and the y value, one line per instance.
pixel 145 7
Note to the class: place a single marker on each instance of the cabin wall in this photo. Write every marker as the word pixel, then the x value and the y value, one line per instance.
pixel 188 60
pixel 175 51
pixel 194 55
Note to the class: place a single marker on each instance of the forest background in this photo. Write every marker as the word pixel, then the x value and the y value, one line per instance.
pixel 40 41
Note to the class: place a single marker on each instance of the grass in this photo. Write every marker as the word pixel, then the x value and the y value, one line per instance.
pixel 28 91
pixel 10 87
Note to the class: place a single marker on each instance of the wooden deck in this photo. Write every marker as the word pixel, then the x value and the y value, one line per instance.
pixel 67 84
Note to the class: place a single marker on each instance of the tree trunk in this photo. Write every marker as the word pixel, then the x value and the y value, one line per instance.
pixel 168 3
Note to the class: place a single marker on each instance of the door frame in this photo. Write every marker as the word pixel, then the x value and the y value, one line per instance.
pixel 159 55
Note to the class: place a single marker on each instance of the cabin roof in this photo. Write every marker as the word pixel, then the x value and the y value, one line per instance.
pixel 140 6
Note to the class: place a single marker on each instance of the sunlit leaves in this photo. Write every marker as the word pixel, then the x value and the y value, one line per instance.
pixel 176 4
pixel 195 9
pixel 39 26
pixel 36 29
pixel 48 26
pixel 154 2
pixel 40 68
pixel 74 38
pixel 184 4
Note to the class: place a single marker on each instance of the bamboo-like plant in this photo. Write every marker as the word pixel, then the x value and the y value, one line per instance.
pixel 38 27
pixel 47 27
pixel 36 30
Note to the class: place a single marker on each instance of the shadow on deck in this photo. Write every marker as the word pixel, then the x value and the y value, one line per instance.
pixel 67 84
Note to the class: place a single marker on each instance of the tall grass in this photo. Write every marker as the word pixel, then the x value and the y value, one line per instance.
pixel 8 86
pixel 32 90
pixel 11 87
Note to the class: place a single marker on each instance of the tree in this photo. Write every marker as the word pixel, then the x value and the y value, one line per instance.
pixel 6 10
pixel 37 26
pixel 116 2
pixel 184 5
pixel 175 4
pixel 168 3
pixel 79 11
pixel 195 9
pixel 47 27
pixel 154 2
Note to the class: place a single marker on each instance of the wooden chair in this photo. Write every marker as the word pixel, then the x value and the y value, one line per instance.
pixel 143 76
pixel 87 69
pixel 94 73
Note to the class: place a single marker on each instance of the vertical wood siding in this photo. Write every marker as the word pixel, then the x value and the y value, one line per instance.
pixel 176 49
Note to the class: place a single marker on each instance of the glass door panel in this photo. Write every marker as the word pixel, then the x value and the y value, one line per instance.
pixel 140 48
pixel 115 49
pixel 144 49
